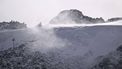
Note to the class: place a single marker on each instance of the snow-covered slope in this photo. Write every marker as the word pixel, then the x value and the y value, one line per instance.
pixel 70 47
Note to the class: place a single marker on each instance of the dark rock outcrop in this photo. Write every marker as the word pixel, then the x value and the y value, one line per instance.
pixel 111 61
pixel 21 58
pixel 12 25
pixel 114 19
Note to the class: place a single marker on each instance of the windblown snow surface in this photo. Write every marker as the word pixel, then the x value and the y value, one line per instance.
pixel 76 46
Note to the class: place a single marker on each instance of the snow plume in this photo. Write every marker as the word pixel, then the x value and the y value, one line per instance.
pixel 45 40
pixel 117 23
pixel 37 39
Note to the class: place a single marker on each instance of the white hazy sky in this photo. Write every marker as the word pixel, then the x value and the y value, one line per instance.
pixel 34 11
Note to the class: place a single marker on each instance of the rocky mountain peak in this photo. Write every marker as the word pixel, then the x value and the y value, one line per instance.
pixel 74 16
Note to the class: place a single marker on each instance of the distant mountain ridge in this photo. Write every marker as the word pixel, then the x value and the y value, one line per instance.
pixel 75 16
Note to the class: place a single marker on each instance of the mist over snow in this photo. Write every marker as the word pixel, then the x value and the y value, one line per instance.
pixel 36 38
pixel 68 45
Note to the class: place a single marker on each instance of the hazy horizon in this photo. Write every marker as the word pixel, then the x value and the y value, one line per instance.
pixel 34 11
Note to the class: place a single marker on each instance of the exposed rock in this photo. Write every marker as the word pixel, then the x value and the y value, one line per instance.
pixel 114 19
pixel 12 25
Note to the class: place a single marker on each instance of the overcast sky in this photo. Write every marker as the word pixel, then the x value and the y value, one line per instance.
pixel 34 11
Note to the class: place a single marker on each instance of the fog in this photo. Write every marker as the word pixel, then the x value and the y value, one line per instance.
pixel 45 40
